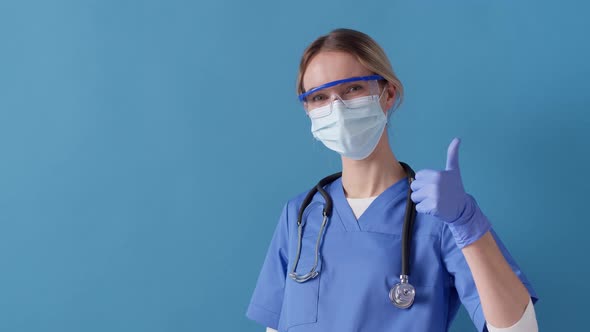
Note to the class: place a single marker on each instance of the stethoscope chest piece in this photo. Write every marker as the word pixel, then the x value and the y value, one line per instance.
pixel 402 294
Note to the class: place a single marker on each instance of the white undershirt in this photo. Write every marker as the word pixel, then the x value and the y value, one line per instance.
pixel 359 205
pixel 528 321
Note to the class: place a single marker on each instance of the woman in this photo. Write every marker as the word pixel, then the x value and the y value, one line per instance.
pixel 348 89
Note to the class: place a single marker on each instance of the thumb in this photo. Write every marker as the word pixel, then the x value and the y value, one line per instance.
pixel 453 154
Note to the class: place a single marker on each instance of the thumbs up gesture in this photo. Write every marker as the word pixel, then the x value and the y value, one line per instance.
pixel 441 194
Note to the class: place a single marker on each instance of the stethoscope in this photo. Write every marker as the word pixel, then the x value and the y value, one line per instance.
pixel 401 294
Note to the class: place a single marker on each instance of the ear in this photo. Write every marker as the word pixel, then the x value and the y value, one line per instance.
pixel 391 95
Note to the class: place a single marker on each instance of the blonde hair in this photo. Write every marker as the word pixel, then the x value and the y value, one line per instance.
pixel 358 44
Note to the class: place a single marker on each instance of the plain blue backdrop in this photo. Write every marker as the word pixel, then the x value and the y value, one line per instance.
pixel 147 147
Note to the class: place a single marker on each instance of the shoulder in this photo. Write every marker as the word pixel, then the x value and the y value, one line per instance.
pixel 428 225
pixel 291 207
pixel 298 198
pixel 295 201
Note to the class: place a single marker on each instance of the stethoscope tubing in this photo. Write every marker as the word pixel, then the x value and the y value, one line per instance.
pixel 402 294
pixel 408 226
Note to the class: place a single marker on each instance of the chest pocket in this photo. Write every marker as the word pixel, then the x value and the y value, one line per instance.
pixel 300 301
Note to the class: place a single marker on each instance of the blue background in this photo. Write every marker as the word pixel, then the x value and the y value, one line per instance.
pixel 147 147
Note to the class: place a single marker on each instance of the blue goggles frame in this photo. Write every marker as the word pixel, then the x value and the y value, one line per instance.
pixel 333 83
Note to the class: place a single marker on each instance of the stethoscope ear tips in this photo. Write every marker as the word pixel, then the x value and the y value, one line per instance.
pixel 402 294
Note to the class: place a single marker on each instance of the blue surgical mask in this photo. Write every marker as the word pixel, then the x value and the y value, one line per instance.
pixel 353 130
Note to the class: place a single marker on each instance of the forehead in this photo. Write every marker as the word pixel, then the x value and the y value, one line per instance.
pixel 328 66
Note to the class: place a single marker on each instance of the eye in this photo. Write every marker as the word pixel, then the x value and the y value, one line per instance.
pixel 318 97
pixel 354 88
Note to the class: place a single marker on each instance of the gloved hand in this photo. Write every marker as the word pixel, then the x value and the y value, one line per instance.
pixel 441 194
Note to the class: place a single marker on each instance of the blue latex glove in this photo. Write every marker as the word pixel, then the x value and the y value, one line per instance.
pixel 441 194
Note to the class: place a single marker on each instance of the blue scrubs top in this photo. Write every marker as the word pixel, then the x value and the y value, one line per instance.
pixel 360 262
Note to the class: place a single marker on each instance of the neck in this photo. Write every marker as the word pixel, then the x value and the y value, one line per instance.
pixel 371 176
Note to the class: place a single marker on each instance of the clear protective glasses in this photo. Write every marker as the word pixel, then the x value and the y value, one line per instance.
pixel 345 90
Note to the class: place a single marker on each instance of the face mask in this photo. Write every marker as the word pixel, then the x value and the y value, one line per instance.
pixel 353 130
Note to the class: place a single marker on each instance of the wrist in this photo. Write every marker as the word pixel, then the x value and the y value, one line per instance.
pixel 471 225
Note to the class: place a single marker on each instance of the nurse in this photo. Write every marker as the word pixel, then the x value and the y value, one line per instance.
pixel 349 90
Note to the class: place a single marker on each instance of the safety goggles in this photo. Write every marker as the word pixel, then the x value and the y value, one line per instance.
pixel 345 90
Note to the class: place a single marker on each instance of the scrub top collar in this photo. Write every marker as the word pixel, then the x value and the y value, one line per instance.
pixel 397 191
